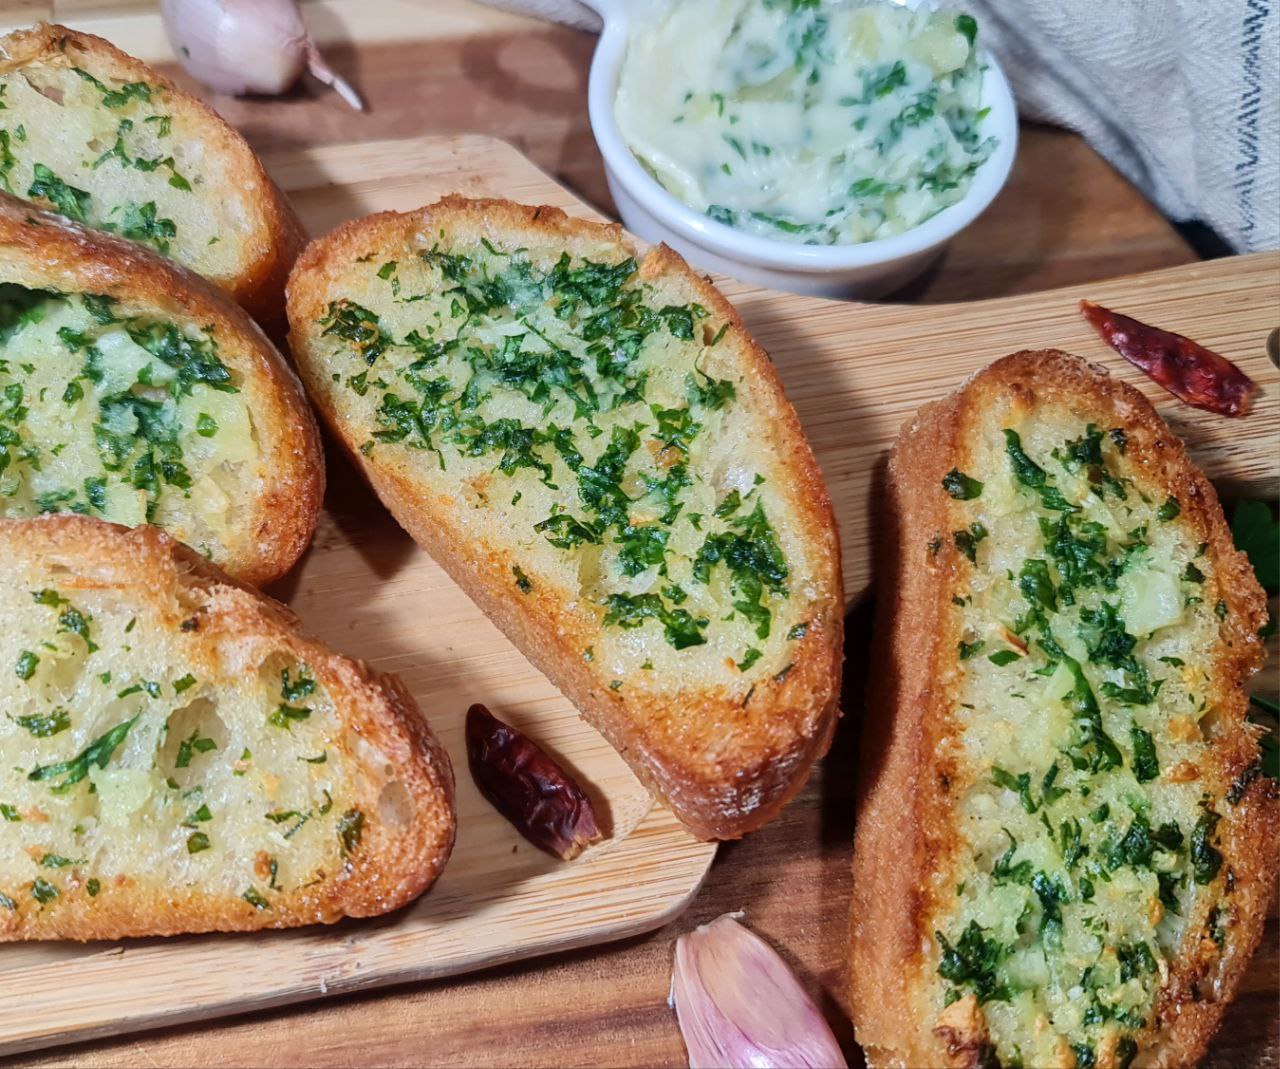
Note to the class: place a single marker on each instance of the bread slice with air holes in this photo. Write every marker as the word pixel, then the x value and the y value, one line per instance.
pixel 132 390
pixel 179 757
pixel 598 453
pixel 100 137
pixel 1065 848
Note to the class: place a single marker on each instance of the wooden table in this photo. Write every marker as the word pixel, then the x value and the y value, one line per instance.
pixel 447 66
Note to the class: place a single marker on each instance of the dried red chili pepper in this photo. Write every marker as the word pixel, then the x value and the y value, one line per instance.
pixel 1185 368
pixel 527 787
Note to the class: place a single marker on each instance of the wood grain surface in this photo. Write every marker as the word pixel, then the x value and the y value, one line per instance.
pixel 446 66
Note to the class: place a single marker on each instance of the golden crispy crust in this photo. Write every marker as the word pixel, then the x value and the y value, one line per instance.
pixel 258 283
pixel 902 804
pixel 43 250
pixel 393 865
pixel 758 767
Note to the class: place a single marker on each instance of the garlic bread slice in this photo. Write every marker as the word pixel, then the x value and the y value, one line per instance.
pixel 598 453
pixel 179 758
pixel 132 390
pixel 1065 846
pixel 101 138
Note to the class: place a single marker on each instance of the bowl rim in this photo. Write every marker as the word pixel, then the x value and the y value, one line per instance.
pixel 733 244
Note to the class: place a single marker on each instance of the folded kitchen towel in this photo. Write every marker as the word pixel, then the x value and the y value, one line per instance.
pixel 1182 96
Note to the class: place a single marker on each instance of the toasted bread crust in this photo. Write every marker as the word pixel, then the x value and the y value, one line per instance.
pixel 900 802
pixel 43 250
pixel 757 771
pixel 391 868
pixel 258 284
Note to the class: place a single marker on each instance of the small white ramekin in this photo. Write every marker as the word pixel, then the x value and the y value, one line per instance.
pixel 870 269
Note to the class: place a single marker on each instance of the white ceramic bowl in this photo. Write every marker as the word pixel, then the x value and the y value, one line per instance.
pixel 867 270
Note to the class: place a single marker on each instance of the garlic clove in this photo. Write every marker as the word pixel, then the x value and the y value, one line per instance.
pixel 246 46
pixel 739 1005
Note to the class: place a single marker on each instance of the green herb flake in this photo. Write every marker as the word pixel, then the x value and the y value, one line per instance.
pixel 45 726
pixel 967 541
pixel 97 753
pixel 974 962
pixel 26 665
pixel 350 829
pixel 117 98
pixel 1146 766
pixel 57 861
pixel 302 686
pixel 72 621
pixel 202 815
pixel 680 628
pixel 141 222
pixel 66 200
pixel 285 716
pixel 1033 476
pixel 1019 784
pixel 43 891
pixel 1206 860
pixel 254 897
pixel 190 746
pixel 357 326
pixel 961 486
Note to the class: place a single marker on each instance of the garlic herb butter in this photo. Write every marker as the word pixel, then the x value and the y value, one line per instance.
pixel 1081 766
pixel 154 758
pixel 116 415
pixel 822 122
pixel 572 399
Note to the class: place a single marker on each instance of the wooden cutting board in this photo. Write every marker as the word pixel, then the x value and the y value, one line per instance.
pixel 854 372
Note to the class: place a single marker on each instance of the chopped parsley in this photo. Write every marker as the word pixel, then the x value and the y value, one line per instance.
pixel 357 326
pixel 46 725
pixel 26 664
pixel 66 199
pixel 1146 767
pixel 254 897
pixel 77 768
pixel 1074 604
pixel 528 371
pixel 974 962
pixel 961 486
pixel 117 98
pixel 43 891
pixel 350 829
pixel 192 745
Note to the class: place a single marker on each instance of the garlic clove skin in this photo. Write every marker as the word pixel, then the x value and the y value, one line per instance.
pixel 246 46
pixel 740 1007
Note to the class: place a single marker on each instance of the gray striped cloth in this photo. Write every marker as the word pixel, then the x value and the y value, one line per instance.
pixel 1182 96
